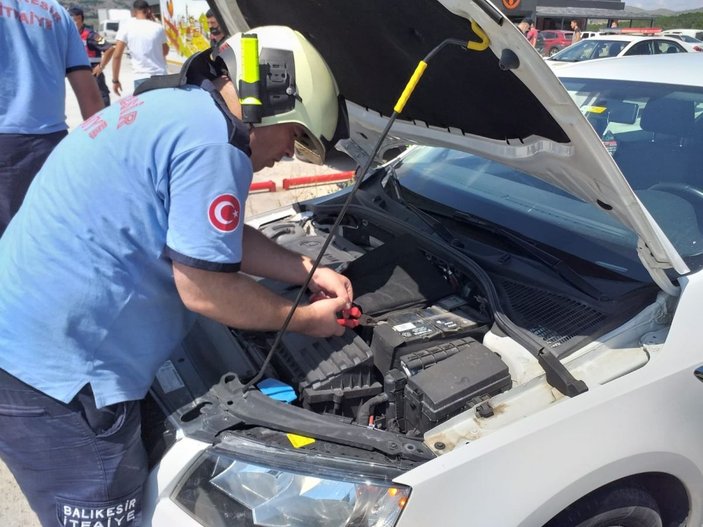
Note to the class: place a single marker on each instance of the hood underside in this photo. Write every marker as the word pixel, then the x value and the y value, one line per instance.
pixel 503 103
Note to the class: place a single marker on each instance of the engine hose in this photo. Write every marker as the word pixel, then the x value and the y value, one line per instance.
pixel 364 412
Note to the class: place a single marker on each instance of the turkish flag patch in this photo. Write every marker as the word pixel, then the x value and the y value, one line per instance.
pixel 224 212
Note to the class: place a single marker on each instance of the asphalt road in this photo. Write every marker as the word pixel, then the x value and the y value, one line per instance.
pixel 14 510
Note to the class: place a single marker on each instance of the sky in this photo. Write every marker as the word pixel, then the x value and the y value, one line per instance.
pixel 674 5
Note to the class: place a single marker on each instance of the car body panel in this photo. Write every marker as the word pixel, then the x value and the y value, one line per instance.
pixel 158 508
pixel 629 425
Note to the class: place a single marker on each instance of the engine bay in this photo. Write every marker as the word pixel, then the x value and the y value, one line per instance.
pixel 452 335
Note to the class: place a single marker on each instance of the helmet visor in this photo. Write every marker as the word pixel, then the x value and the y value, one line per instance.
pixel 308 148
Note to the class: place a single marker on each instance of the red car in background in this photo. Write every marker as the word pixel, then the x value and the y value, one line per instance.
pixel 550 41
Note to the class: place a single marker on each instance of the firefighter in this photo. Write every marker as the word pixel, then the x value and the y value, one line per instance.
pixel 109 258
pixel 99 51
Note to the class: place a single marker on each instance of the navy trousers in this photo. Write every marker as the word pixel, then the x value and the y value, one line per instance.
pixel 21 157
pixel 78 466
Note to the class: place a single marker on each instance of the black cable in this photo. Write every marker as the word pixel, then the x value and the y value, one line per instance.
pixel 360 177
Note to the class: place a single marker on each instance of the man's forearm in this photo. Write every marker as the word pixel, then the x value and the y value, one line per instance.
pixel 233 299
pixel 117 59
pixel 265 258
pixel 87 92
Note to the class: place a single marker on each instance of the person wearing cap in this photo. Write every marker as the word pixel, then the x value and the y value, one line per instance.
pixel 216 34
pixel 146 40
pixel 35 60
pixel 109 260
pixel 98 49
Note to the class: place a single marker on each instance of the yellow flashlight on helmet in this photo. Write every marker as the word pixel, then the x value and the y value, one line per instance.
pixel 250 80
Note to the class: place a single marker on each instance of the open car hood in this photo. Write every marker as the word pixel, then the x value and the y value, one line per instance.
pixel 503 103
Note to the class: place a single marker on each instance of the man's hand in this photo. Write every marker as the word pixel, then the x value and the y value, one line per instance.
pixel 331 284
pixel 319 319
pixel 236 300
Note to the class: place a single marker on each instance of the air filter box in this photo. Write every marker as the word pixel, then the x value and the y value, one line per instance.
pixel 435 394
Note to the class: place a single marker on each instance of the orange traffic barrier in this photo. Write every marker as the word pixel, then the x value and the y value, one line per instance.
pixel 317 180
pixel 268 186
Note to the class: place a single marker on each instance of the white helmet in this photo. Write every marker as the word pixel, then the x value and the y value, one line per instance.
pixel 292 84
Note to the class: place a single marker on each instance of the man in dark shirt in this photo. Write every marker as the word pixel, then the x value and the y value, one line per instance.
pixel 98 49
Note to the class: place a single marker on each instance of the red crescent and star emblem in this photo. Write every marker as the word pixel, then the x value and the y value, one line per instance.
pixel 224 212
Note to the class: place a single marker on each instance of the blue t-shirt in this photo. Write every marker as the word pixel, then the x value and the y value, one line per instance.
pixel 87 293
pixel 39 45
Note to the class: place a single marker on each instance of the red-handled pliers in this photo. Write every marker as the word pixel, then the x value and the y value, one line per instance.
pixel 349 318
pixel 353 317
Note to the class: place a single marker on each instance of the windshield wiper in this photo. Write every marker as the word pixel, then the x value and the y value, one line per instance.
pixel 555 264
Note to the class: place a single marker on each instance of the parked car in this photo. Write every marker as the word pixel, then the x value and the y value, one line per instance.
pixel 616 46
pixel 108 29
pixel 589 34
pixel 555 40
pixel 692 44
pixel 537 358
pixel 695 33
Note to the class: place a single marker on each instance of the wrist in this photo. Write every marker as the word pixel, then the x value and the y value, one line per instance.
pixel 115 81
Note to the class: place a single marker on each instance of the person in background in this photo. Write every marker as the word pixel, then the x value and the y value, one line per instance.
pixel 98 49
pixel 216 33
pixel 34 60
pixel 532 33
pixel 146 40
pixel 577 31
pixel 133 227
pixel 524 26
pixel 614 24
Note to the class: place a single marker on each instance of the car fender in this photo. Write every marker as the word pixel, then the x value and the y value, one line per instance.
pixel 526 473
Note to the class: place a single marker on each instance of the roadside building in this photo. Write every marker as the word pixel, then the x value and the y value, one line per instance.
pixel 557 14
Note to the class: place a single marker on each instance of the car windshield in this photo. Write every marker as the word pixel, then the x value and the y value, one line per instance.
pixel 655 134
pixel 521 203
pixel 590 49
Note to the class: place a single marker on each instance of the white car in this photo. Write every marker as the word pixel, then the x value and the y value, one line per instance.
pixel 589 34
pixel 533 265
pixel 608 46
pixel 694 33
pixel 691 43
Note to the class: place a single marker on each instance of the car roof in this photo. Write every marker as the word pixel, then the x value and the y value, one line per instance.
pixel 679 68
pixel 631 38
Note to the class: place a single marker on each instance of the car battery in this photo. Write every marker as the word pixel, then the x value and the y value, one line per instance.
pixel 445 389
pixel 408 332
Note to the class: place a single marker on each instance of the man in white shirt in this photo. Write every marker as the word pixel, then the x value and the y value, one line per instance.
pixel 146 40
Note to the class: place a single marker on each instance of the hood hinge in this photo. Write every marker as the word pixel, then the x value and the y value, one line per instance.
pixel 656 269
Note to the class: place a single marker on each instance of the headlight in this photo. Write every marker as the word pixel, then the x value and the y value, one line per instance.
pixel 258 485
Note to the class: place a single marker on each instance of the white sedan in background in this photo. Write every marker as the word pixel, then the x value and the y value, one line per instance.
pixel 608 46
pixel 535 268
